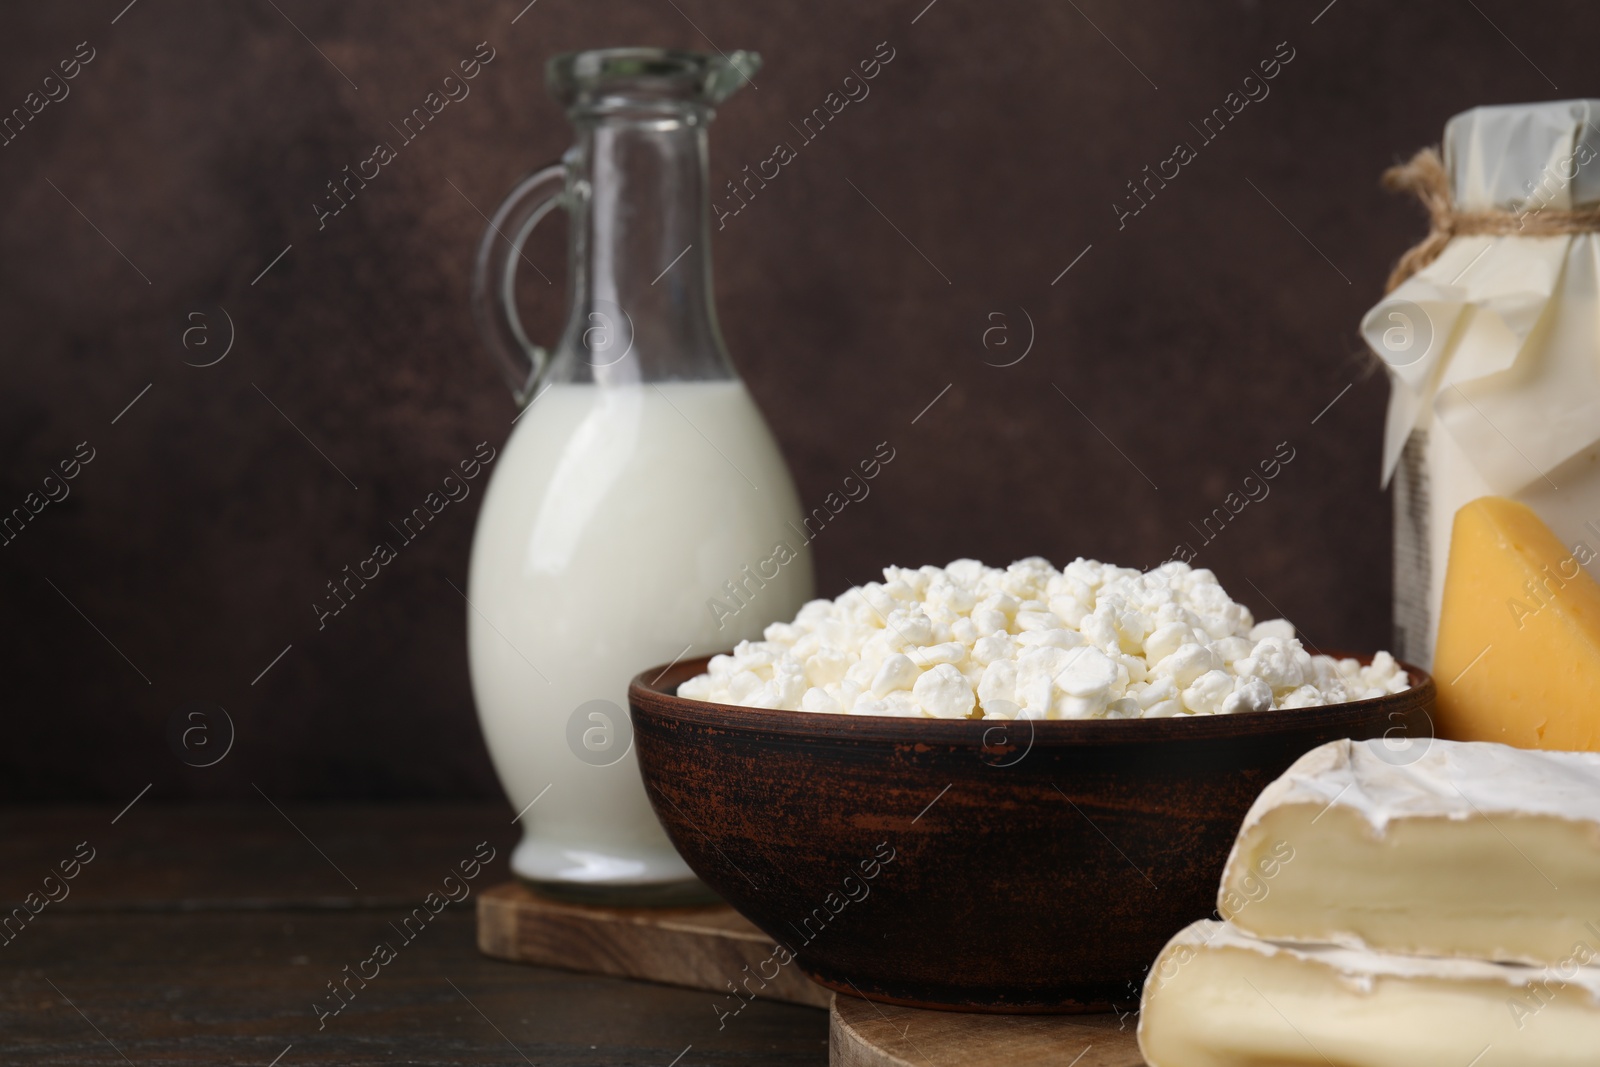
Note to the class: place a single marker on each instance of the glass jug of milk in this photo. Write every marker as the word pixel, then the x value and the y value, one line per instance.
pixel 639 481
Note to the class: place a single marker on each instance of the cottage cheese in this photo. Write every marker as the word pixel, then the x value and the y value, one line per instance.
pixel 1089 641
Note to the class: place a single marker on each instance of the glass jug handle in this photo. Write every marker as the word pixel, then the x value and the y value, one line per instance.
pixel 494 277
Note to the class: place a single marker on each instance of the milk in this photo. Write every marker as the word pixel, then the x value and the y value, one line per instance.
pixel 614 520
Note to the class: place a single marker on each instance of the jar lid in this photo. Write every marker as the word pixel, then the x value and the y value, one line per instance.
pixel 621 78
pixel 1515 157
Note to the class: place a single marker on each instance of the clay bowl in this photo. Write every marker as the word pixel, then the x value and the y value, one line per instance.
pixel 971 865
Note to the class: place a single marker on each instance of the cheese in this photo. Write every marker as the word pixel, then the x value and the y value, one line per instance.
pixel 1217 997
pixel 1088 641
pixel 1463 849
pixel 1518 657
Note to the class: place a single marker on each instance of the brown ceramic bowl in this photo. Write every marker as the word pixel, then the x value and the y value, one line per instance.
pixel 970 865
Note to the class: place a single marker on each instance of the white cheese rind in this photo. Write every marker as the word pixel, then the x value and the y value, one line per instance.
pixel 1358 967
pixel 1434 778
pixel 1468 850
pixel 1217 997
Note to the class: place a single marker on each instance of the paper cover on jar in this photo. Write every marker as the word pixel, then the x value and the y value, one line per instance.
pixel 1497 339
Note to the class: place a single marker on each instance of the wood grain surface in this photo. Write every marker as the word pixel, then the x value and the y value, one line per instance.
pixel 710 948
pixel 205 936
pixel 864 1034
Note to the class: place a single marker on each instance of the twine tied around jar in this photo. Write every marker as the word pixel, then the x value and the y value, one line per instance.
pixel 1424 176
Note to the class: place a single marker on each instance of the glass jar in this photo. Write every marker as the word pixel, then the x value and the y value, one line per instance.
pixel 1493 349
pixel 640 486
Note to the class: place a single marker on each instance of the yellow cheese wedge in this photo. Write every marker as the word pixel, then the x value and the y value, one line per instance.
pixel 1518 657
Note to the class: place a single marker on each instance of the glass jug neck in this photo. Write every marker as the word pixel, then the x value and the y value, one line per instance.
pixel 641 307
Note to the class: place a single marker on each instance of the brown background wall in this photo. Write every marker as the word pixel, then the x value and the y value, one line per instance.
pixel 1196 338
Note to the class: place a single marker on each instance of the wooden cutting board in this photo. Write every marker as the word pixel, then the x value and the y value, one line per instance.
pixel 862 1033
pixel 702 948
pixel 708 947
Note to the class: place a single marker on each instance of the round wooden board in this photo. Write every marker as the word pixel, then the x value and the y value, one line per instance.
pixel 862 1033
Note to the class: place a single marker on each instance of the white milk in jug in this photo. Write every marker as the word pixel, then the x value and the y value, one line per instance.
pixel 614 518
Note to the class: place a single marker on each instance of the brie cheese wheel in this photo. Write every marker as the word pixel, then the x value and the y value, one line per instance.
pixel 1217 997
pixel 1445 848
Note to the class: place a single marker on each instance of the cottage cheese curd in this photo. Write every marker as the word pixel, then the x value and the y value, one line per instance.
pixel 1089 641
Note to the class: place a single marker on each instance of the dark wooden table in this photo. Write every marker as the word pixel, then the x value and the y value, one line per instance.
pixel 208 935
